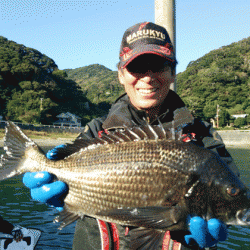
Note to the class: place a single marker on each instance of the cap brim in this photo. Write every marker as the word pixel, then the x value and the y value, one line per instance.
pixel 147 49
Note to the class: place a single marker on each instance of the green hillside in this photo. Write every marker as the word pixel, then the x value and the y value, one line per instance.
pixel 32 89
pixel 221 77
pixel 97 82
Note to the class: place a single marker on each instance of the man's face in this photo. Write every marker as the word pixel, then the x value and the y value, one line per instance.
pixel 146 81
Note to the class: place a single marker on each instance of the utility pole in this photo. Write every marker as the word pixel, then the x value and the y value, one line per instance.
pixel 166 17
pixel 41 104
pixel 217 115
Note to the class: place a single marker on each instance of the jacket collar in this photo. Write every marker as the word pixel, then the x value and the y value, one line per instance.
pixel 123 113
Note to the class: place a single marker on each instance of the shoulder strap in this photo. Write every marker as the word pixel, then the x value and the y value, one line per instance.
pixel 169 244
pixel 109 235
pixel 105 235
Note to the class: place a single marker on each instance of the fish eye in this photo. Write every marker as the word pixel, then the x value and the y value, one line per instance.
pixel 232 191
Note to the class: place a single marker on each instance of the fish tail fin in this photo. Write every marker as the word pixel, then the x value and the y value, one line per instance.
pixel 16 143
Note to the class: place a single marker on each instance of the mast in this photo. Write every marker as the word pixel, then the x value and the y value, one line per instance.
pixel 165 16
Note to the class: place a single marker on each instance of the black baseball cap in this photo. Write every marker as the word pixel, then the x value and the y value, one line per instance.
pixel 145 38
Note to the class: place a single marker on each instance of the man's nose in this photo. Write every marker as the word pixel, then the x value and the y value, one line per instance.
pixel 148 76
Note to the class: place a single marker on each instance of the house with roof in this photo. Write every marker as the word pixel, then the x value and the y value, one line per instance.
pixel 240 116
pixel 68 120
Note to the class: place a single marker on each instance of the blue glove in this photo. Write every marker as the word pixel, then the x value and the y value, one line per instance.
pixel 53 153
pixel 43 188
pixel 206 233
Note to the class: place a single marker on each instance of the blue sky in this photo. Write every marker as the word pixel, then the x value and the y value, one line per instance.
pixel 77 33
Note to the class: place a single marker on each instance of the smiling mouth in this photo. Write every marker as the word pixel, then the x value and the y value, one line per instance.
pixel 147 91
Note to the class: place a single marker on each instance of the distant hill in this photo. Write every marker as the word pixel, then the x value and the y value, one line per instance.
pixel 221 77
pixel 97 82
pixel 32 89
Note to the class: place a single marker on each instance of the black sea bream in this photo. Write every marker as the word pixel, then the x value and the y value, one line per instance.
pixel 135 176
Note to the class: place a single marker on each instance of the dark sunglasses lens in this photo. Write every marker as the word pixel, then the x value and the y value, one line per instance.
pixel 136 68
pixel 143 67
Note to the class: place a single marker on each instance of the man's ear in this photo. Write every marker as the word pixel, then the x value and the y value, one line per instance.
pixel 173 75
pixel 172 80
pixel 120 76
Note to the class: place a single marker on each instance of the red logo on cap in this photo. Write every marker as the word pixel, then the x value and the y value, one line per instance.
pixel 143 25
pixel 169 46
pixel 126 53
pixel 163 50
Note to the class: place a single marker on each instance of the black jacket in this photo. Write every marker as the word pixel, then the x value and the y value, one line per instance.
pixel 123 113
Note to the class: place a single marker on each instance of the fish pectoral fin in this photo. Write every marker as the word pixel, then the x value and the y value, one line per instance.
pixel 149 217
pixel 144 238
pixel 65 218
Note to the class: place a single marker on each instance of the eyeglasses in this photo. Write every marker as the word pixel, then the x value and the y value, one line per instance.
pixel 144 65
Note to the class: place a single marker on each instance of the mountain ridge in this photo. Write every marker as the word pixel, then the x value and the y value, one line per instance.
pixel 219 78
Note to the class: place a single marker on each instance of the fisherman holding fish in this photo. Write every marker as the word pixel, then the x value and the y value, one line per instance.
pixel 146 70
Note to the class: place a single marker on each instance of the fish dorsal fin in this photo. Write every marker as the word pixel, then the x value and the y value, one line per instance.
pixel 126 134
pixel 146 132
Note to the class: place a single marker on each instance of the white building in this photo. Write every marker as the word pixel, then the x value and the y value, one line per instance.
pixel 68 120
pixel 240 116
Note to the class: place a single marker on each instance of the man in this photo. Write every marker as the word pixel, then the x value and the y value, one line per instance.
pixel 146 70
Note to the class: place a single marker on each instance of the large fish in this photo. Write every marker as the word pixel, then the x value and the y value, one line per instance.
pixel 137 177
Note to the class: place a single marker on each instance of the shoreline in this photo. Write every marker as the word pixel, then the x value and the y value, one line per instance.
pixel 230 138
pixel 236 144
pixel 235 138
pixel 47 142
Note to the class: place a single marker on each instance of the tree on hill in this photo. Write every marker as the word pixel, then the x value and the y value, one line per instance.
pixel 248 119
pixel 222 76
pixel 224 118
pixel 32 89
pixel 29 103
pixel 240 122
pixel 97 77
pixel 209 110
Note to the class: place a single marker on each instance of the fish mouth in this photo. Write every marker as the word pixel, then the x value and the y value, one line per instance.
pixel 243 217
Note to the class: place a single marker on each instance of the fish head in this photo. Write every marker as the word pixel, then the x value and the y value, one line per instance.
pixel 231 204
pixel 229 198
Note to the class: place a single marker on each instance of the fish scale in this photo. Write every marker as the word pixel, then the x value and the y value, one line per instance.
pixel 135 177
pixel 119 186
pixel 149 151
